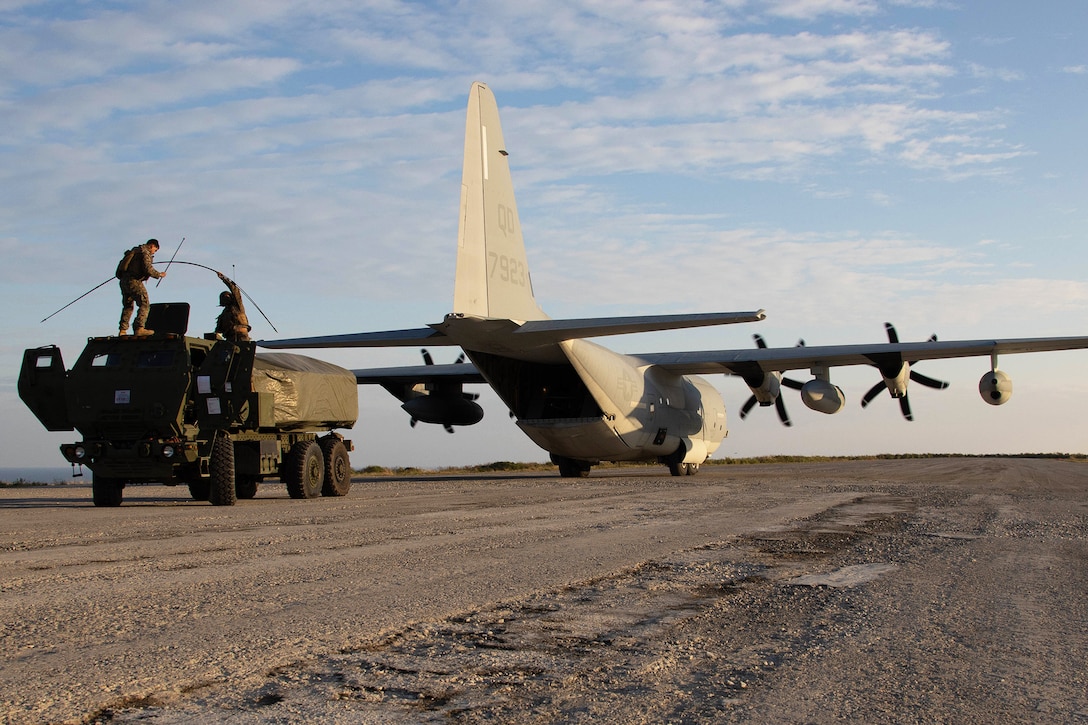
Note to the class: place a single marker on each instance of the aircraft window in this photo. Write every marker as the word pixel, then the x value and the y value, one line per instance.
pixel 106 360
pixel 155 359
pixel 44 361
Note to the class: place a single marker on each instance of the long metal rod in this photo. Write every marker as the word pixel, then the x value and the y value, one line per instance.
pixel 194 264
pixel 167 267
pixel 77 299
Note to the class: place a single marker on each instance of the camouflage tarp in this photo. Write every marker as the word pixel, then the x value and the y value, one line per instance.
pixel 308 393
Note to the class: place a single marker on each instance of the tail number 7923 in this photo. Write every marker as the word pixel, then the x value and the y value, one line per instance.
pixel 508 269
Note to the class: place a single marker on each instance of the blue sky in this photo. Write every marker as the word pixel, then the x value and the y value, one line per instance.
pixel 838 163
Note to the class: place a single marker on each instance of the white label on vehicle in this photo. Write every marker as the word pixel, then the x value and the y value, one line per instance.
pixel 122 397
pixel 213 406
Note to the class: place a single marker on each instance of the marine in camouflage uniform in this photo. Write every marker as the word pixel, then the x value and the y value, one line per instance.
pixel 137 267
pixel 232 322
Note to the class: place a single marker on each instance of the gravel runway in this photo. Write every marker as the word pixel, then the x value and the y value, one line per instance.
pixel 931 590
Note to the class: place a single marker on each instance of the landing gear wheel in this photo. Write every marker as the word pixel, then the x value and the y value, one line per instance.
pixel 304 470
pixel 690 469
pixel 222 491
pixel 246 486
pixel 572 468
pixel 337 468
pixel 676 468
pixel 106 491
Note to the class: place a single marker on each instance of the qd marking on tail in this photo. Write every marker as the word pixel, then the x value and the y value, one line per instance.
pixel 508 221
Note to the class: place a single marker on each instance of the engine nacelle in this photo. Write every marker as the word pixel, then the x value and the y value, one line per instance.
pixel 822 396
pixel 995 387
pixel 767 391
pixel 897 385
pixel 444 410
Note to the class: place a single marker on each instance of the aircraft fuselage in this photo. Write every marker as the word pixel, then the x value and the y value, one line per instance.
pixel 584 402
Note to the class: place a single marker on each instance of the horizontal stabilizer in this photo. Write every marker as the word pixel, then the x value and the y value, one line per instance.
pixel 385 338
pixel 579 328
pixel 532 334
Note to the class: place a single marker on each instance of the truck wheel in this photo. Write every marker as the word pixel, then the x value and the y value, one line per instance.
pixel 337 468
pixel 106 491
pixel 246 486
pixel 304 470
pixel 200 490
pixel 222 470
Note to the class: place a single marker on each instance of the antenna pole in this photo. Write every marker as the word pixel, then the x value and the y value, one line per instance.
pixel 77 299
pixel 157 282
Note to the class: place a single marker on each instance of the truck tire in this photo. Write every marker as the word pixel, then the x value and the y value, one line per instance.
pixel 246 486
pixel 222 492
pixel 337 467
pixel 106 491
pixel 200 490
pixel 304 470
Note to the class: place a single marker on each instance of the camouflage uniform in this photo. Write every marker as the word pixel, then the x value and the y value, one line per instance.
pixel 133 292
pixel 232 322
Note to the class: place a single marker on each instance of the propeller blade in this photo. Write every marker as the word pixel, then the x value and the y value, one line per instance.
pixel 747 407
pixel 427 359
pixel 792 384
pixel 927 381
pixel 449 428
pixel 893 336
pixel 904 406
pixel 780 405
pixel 873 392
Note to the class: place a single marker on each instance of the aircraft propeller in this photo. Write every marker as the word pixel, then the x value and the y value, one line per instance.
pixel 428 360
pixel 904 400
pixel 779 404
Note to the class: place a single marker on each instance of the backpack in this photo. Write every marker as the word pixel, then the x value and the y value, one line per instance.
pixel 123 265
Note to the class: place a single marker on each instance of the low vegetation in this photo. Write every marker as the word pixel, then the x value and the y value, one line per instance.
pixel 21 483
pixel 514 467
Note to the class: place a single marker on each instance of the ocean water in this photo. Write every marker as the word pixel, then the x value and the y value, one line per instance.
pixel 52 474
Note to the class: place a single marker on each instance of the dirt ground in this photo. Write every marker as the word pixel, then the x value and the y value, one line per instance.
pixel 944 590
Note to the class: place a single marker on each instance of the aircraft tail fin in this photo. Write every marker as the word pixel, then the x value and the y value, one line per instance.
pixel 492 268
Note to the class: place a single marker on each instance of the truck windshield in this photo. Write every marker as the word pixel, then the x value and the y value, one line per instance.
pixel 156 359
pixel 106 360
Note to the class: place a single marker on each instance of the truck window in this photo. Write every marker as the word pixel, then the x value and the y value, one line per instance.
pixel 106 360
pixel 155 359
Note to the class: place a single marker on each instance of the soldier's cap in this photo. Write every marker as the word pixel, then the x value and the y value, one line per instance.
pixel 153 241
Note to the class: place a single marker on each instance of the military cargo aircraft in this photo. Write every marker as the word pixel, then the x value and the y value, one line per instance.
pixel 582 402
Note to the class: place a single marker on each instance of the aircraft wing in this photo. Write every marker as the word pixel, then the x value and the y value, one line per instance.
pixel 742 362
pixel 412 374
